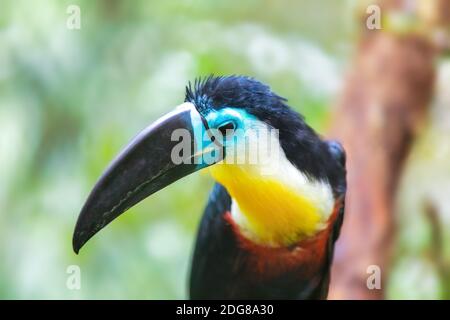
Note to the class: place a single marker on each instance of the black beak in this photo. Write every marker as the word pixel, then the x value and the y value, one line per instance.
pixel 145 166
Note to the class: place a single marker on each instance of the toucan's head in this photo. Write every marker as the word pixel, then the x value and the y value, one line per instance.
pixel 222 119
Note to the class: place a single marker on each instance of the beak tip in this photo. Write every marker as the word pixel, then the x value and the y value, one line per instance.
pixel 77 242
pixel 76 246
pixel 76 249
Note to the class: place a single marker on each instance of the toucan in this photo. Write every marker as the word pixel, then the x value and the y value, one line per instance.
pixel 273 216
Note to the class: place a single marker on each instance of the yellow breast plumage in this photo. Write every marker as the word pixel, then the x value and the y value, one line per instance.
pixel 268 210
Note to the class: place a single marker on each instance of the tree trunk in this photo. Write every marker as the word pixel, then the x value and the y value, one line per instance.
pixel 384 102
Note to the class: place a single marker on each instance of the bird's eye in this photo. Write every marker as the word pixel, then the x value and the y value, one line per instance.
pixel 227 129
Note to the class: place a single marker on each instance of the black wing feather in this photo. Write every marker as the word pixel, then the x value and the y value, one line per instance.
pixel 210 268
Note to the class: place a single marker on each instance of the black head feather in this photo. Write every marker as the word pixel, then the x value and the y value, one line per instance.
pixel 234 91
pixel 302 146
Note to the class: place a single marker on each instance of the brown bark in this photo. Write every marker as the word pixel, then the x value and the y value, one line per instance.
pixel 383 104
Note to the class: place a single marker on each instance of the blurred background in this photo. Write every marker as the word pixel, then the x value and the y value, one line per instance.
pixel 70 99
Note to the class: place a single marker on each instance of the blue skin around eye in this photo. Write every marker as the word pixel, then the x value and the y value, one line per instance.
pixel 216 118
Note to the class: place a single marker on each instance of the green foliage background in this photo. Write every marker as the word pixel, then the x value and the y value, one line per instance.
pixel 70 99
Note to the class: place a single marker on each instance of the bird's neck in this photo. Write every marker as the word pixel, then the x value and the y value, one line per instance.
pixel 277 209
